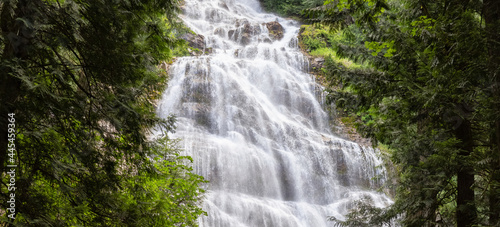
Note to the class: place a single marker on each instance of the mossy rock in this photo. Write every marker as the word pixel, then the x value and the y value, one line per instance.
pixel 276 31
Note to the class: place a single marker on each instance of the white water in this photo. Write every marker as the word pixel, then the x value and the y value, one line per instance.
pixel 249 117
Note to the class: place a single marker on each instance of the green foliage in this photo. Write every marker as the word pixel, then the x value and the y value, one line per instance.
pixel 318 41
pixel 423 24
pixel 183 48
pixel 364 215
pixel 340 13
pixel 82 80
pixel 168 197
pixel 314 37
pixel 289 7
pixel 428 96
pixel 377 47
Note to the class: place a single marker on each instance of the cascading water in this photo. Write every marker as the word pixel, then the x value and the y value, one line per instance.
pixel 249 117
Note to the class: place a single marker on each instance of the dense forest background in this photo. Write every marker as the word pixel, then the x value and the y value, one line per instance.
pixel 79 80
pixel 420 78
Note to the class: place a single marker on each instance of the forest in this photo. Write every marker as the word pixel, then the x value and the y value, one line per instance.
pixel 82 143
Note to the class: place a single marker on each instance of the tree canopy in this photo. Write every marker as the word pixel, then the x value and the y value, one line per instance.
pixel 81 78
pixel 431 93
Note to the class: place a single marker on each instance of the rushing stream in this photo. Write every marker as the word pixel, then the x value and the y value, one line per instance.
pixel 248 113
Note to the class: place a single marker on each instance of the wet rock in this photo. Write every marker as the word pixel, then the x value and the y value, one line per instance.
pixel 251 29
pixel 238 22
pixel 194 40
pixel 200 112
pixel 230 33
pixel 223 5
pixel 244 32
pixel 245 39
pixel 220 32
pixel 247 31
pixel 342 168
pixel 316 64
pixel 267 40
pixel 250 52
pixel 275 30
pixel 197 42
pixel 319 60
pixel 294 43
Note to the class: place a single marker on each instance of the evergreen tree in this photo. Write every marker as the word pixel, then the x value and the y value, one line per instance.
pixel 289 7
pixel 431 94
pixel 81 78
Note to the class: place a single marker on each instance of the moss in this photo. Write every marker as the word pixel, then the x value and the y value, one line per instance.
pixel 276 33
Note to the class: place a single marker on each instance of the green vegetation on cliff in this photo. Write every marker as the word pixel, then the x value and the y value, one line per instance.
pixel 431 94
pixel 289 7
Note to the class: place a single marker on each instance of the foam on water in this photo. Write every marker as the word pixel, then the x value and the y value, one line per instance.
pixel 249 115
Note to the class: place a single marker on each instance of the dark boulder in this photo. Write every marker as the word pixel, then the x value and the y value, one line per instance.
pixel 194 40
pixel 275 30
pixel 244 32
pixel 197 42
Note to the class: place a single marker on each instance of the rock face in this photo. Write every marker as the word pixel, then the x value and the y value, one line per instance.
pixel 244 32
pixel 247 33
pixel 194 40
pixel 275 30
pixel 197 42
pixel 316 63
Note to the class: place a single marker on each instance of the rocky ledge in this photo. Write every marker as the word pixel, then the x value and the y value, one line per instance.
pixel 275 30
pixel 196 43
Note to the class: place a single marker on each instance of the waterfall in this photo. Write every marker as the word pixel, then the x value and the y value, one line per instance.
pixel 248 113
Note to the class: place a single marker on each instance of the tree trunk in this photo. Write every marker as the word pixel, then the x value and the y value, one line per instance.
pixel 466 208
pixel 491 12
